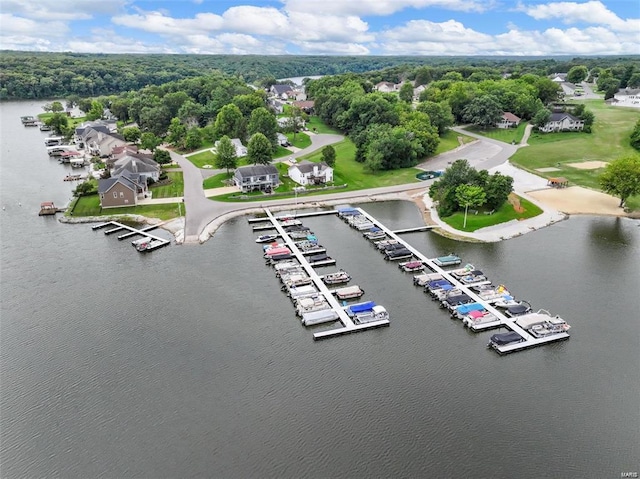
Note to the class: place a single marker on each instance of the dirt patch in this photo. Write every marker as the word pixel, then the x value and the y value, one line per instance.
pixel 515 202
pixel 426 214
pixel 588 165
pixel 548 169
pixel 578 200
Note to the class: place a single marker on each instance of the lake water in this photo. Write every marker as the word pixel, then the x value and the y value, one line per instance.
pixel 190 362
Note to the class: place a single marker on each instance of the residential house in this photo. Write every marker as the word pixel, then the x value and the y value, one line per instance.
pixel 256 178
pixel 417 90
pixel 124 190
pixel 509 120
pixel 627 97
pixel 276 105
pixel 283 140
pixel 385 87
pixel 562 122
pixel 569 89
pixel 141 165
pixel 306 106
pixel 309 173
pixel 241 150
pixel 558 77
pixel 284 92
pixel 98 140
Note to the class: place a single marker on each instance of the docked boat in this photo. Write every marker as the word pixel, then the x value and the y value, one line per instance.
pixel 142 240
pixel 423 279
pixel 304 244
pixel 492 294
pixel 311 303
pixel 502 339
pixel 296 292
pixel 506 301
pixel 319 317
pixel 286 265
pixel 346 212
pixel 266 247
pixel 44 127
pixel 150 245
pixel 266 238
pixel 541 324
pixel 518 310
pixel 458 273
pixel 320 259
pixel 382 245
pixel 444 292
pixel 374 234
pixel 275 251
pixel 339 277
pixel 448 260
pixel 397 254
pixel 411 266
pixel 53 140
pixel 367 312
pixel 317 249
pixel 476 318
pixel 459 312
pixel 474 277
pixel 437 285
pixel 452 301
pixel 276 258
pixel 349 292
pixel 295 280
pixel 290 222
pixel 297 227
pixel 393 247
pixel 302 235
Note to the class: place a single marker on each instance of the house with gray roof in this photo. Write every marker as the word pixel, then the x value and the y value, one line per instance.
pixel 124 190
pixel 284 92
pixel 310 173
pixel 138 165
pixel 256 178
pixel 563 122
pixel 627 97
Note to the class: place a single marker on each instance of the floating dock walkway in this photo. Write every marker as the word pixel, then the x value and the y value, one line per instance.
pixel 294 216
pixel 503 321
pixel 414 230
pixel 348 326
pixel 159 242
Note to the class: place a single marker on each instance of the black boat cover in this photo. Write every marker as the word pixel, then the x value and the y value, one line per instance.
pixel 460 299
pixel 506 338
pixel 517 309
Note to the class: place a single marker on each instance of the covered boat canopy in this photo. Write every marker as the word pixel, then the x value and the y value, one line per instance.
pixel 277 250
pixel 506 338
pixel 318 257
pixel 476 314
pixel 518 309
pixel 360 307
pixel 467 308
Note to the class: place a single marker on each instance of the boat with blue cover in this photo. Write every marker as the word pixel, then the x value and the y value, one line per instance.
pixel 448 260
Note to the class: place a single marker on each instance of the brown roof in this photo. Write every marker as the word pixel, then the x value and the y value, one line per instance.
pixel 510 117
pixel 304 104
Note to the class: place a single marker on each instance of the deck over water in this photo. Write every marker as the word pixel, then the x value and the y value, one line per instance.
pixel 131 232
pixel 503 320
pixel 348 325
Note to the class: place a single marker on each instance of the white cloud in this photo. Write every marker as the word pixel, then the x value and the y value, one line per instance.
pixel 327 28
pixel 23 34
pixel 61 9
pixel 593 12
pixel 332 48
pixel 381 7
pixel 158 22
pixel 450 31
pixel 255 20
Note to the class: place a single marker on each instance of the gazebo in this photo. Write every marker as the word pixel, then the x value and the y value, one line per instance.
pixel 559 182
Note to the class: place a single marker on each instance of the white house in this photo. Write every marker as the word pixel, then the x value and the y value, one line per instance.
pixel 385 87
pixel 627 97
pixel 309 173
pixel 509 120
pixel 563 122
pixel 558 77
pixel 241 150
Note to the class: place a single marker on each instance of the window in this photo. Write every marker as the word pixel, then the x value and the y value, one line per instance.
pixel 121 194
pixel 115 194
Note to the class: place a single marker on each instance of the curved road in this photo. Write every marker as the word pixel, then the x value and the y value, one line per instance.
pixel 482 154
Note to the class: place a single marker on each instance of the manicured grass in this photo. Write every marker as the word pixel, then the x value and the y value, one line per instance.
pixel 633 203
pixel 170 166
pixel 449 141
pixel 281 151
pixel 72 122
pixel 301 140
pixel 608 141
pixel 205 144
pixel 217 181
pixel 175 188
pixel 346 171
pixel 90 206
pixel 508 135
pixel 482 220
pixel 320 126
pixel 203 158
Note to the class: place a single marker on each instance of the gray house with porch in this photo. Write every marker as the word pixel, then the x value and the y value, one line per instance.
pixel 256 178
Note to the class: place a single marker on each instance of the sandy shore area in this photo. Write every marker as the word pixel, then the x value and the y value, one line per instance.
pixel 576 200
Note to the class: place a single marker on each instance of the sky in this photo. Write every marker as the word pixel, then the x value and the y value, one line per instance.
pixel 324 27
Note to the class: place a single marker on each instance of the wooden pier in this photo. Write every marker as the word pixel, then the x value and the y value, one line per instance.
pixel 159 242
pixel 348 325
pixel 502 321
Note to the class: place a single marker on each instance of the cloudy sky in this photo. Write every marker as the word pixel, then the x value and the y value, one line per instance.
pixel 333 27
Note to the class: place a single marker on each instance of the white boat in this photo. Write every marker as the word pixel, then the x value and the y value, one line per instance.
pixel 506 301
pixel 349 292
pixel 319 317
pixel 311 303
pixel 142 240
pixel 151 245
pixel 53 140
pixel 462 271
pixel 383 244
pixel 410 266
pixel 541 324
pixel 290 222
pixel 449 260
pixel 266 238
pixel 377 313
pixel 295 280
pixel 423 279
pixel 338 277
pixel 302 291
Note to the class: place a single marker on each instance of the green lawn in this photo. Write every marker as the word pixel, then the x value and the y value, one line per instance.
pixel 450 141
pixel 482 219
pixel 90 206
pixel 205 144
pixel 72 122
pixel 508 135
pixel 320 126
pixel 281 151
pixel 203 158
pixel 217 181
pixel 301 140
pixel 608 140
pixel 175 188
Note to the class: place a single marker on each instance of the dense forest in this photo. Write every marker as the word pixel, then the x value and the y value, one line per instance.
pixel 31 75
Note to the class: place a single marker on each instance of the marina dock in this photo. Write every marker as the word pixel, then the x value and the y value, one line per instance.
pixel 348 326
pixel 415 230
pixel 503 320
pixel 262 219
pixel 158 242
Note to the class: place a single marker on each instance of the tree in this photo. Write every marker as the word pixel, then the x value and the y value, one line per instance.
pixel 406 92
pixel 443 190
pixel 226 154
pixel 248 103
pixel 577 74
pixel 58 122
pixel 497 189
pixel 162 157
pixel 131 134
pixel 193 139
pixel 329 155
pixel 621 178
pixel 484 111
pixel 634 80
pixel 229 121
pixel 469 195
pixel 177 133
pixel 635 136
pixel 263 121
pixel 541 118
pixel 439 114
pixel 96 110
pixel 259 149
pixel 72 101
pixel 149 141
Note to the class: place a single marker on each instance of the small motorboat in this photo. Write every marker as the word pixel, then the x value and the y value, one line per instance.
pixel 397 254
pixel 502 339
pixel 266 238
pixel 448 260
pixel 339 277
pixel 506 302
pixel 410 266
pixel 349 292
